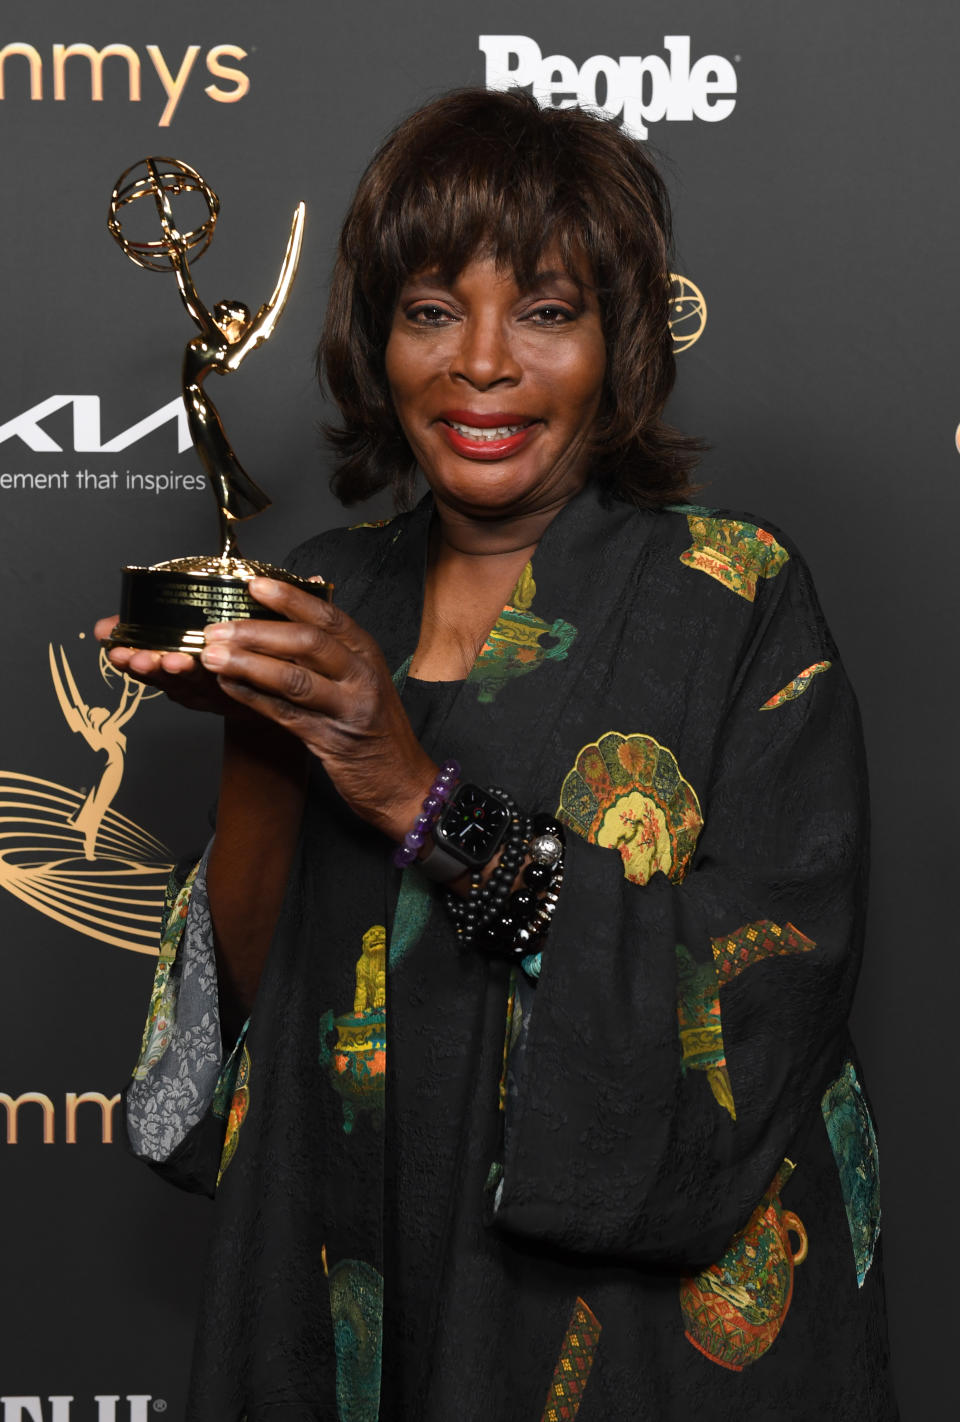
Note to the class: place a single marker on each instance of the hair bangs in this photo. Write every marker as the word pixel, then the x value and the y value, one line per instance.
pixel 476 193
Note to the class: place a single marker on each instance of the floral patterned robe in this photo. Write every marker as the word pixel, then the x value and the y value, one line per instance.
pixel 638 1180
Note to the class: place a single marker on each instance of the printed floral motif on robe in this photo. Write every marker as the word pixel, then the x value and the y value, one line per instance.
pixel 160 1014
pixel 626 792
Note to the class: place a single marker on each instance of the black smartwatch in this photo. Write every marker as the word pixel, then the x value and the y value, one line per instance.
pixel 466 835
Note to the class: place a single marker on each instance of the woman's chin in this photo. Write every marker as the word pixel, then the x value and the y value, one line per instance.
pixel 501 490
pixel 489 490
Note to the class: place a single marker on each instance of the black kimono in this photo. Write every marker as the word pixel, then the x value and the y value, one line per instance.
pixel 636 1178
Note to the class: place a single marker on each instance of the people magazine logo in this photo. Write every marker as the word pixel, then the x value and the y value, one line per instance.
pixel 640 89
pixel 104 1407
pixel 76 72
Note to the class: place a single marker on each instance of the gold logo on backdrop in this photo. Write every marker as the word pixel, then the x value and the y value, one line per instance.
pixel 688 312
pixel 32 72
pixel 68 853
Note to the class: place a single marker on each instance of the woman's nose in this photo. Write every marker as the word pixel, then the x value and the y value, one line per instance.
pixel 485 354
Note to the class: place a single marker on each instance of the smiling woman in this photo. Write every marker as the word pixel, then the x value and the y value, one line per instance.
pixel 545 196
pixel 505 1016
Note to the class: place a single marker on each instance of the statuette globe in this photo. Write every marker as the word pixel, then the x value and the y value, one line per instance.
pixel 185 204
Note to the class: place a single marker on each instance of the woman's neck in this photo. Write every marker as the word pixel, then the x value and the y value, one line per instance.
pixel 471 574
pixel 466 535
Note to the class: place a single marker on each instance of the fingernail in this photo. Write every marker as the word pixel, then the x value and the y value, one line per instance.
pixel 218 631
pixel 265 587
pixel 215 656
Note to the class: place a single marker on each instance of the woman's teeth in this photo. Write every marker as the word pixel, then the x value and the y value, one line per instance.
pixel 476 433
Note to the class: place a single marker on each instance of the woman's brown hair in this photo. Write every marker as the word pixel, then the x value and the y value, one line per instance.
pixel 479 171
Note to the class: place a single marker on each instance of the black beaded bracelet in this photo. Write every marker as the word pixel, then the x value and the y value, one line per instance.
pixel 509 924
pixel 477 908
pixel 494 928
pixel 545 870
pixel 544 874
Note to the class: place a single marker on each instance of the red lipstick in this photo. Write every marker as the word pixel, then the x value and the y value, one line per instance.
pixel 517 431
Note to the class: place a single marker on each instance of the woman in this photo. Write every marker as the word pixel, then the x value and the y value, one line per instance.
pixel 566 1131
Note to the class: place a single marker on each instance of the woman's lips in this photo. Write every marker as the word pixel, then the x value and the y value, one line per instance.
pixel 486 436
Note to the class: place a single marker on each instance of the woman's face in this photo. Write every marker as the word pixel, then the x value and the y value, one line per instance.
pixel 497 389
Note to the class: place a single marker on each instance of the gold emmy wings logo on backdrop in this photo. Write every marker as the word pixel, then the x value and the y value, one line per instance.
pixel 688 312
pixel 67 852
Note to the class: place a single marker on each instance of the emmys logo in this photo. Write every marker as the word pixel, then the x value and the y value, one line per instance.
pixel 688 312
pixel 68 853
pixel 645 89
pixel 110 1408
pixel 86 58
pixel 47 1118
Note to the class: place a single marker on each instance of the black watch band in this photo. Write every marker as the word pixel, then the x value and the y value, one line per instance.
pixel 440 866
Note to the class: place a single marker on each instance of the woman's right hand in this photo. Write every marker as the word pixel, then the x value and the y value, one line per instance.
pixel 180 675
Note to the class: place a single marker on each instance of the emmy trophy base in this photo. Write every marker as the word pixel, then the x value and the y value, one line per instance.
pixel 166 608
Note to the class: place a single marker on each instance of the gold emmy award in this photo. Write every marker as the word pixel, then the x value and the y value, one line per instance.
pixel 167 606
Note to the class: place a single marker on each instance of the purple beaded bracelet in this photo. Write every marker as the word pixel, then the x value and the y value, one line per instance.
pixel 437 796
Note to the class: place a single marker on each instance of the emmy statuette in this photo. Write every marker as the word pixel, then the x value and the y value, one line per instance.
pixel 167 606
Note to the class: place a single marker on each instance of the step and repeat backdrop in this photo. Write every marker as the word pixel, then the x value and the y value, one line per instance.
pixel 811 154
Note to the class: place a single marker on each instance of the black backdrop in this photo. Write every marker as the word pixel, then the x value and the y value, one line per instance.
pixel 817 210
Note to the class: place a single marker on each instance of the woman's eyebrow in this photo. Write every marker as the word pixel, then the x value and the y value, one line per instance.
pixel 550 275
pixel 554 274
pixel 433 276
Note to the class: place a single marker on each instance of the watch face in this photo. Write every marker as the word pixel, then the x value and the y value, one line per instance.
pixel 473 825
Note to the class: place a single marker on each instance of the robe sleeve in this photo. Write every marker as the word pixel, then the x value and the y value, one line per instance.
pixel 683 1033
pixel 176 1105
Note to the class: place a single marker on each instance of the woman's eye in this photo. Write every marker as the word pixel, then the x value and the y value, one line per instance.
pixel 551 315
pixel 429 315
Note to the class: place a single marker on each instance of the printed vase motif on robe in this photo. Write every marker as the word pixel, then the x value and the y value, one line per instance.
pixel 357 1061
pixel 519 641
pixel 733 1311
pixel 735 554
